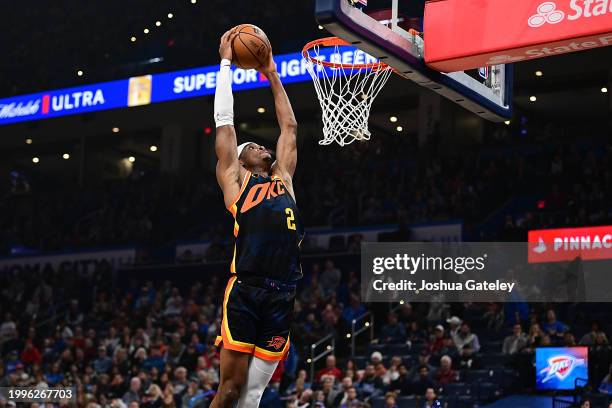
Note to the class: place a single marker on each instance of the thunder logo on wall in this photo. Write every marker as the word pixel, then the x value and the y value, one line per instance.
pixel 561 368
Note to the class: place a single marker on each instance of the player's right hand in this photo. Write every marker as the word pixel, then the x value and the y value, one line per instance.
pixel 225 47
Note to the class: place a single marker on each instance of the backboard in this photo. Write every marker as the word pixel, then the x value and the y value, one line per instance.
pixel 385 32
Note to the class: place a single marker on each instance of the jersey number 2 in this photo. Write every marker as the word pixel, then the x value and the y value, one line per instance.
pixel 290 218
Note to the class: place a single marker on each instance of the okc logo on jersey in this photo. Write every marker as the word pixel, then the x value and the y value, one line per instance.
pixel 560 367
pixel 277 342
pixel 262 191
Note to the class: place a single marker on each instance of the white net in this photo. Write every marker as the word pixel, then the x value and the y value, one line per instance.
pixel 346 94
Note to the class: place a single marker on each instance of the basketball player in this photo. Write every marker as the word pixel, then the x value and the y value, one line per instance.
pixel 258 191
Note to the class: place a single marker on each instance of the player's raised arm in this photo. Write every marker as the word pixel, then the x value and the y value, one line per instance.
pixel 228 167
pixel 286 147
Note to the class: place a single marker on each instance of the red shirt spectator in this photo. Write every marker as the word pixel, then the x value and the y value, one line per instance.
pixel 445 374
pixel 31 355
pixel 330 369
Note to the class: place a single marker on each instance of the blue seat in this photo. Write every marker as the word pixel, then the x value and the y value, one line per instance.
pixel 377 402
pixel 491 360
pixel 485 391
pixel 405 402
pixel 482 375
pixel 456 389
pixel 396 349
pixel 464 401
pixel 360 362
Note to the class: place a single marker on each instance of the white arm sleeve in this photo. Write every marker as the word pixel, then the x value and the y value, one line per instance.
pixel 224 100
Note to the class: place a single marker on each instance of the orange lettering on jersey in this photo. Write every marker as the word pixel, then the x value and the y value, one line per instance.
pixel 258 192
pixel 255 196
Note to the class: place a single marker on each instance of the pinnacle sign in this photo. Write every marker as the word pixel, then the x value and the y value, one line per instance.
pixel 568 244
pixel 484 32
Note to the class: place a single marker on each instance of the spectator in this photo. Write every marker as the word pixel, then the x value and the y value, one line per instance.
pixel 390 401
pixel 31 355
pixel 305 399
pixel 448 348
pixel 370 385
pixel 393 332
pixel 552 326
pixel 606 384
pixel 423 381
pixel 589 338
pixel 431 400
pixel 133 394
pixel 351 399
pixel 437 340
pixel 103 363
pixel 403 383
pixel 392 373
pixel 424 358
pixel 354 310
pixel 329 279
pixel 454 324
pixel 341 395
pixel 516 342
pixel 445 374
pixel 152 397
pixel 175 350
pixel 330 369
pixel 468 360
pixel 465 336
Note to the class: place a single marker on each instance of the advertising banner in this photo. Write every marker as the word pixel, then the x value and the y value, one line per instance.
pixel 463 35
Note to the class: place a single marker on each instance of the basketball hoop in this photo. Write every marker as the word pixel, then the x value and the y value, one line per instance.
pixel 346 91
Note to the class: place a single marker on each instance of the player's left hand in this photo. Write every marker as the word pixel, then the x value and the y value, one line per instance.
pixel 269 66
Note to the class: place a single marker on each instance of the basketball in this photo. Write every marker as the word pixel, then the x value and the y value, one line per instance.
pixel 251 46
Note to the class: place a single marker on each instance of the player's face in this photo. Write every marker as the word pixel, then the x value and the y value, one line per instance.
pixel 255 155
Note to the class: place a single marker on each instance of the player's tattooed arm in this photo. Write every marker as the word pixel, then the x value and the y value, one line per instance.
pixel 286 147
pixel 228 167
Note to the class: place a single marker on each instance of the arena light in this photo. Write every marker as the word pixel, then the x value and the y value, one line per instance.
pixel 399 128
pixel 533 98
pixel 393 119
pixel 158 23
pixel 153 148
pixel 80 73
pixel 309 361
pixel 133 39
pixel 35 160
pixel 539 73
pixel 401 302
pixel 261 110
pixel 115 130
pixel 348 335
pixel 170 15
pixel 131 159
pixel 28 141
pixel 194 1
pixel 146 31
pixel 604 90
pixel 367 324
pixel 65 156
pixel 507 122
pixel 320 27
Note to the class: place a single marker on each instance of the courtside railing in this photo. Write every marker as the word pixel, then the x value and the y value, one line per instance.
pixel 327 345
pixel 362 324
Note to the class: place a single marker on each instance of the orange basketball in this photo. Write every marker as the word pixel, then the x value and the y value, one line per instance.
pixel 250 47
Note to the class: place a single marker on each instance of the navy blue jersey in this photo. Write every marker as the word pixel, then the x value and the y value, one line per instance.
pixel 268 230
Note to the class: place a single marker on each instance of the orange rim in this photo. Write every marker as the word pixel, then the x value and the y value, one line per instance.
pixel 336 42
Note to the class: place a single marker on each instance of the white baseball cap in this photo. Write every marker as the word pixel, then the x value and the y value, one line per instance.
pixel 454 320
